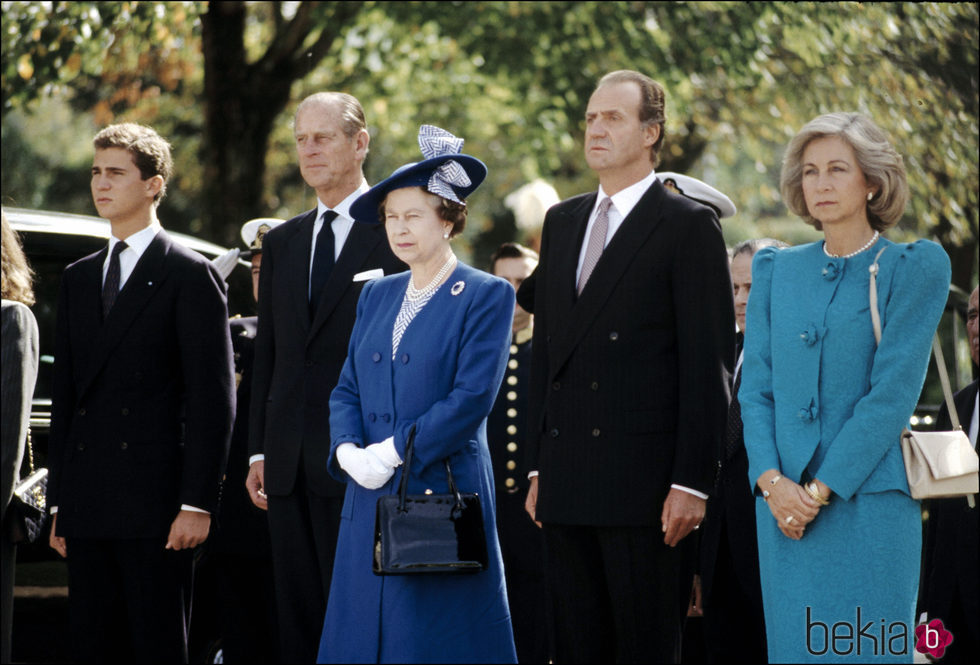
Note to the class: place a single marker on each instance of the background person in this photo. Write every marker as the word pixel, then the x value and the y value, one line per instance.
pixel 428 352
pixel 20 358
pixel 521 543
pixel 632 352
pixel 142 408
pixel 951 591
pixel 729 561
pixel 313 269
pixel 823 407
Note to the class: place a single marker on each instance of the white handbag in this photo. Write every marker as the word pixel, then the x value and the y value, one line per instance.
pixel 937 464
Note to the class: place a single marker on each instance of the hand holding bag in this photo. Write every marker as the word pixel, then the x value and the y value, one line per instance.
pixel 937 464
pixel 428 533
pixel 28 508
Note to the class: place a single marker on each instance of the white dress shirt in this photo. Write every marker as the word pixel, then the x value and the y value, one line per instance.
pixel 341 225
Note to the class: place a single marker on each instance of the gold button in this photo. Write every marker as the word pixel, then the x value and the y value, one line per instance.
pixel 512 364
pixel 513 348
pixel 511 464
pixel 511 447
pixel 512 380
pixel 511 413
pixel 509 482
pixel 512 396
pixel 512 429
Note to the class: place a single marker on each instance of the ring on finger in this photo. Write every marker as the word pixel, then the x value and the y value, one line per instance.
pixel 789 519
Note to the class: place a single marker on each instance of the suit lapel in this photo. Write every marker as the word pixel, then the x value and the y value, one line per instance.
pixel 145 280
pixel 612 265
pixel 297 267
pixel 562 296
pixel 361 240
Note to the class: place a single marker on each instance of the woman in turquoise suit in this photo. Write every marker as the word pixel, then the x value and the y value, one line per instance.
pixel 823 406
pixel 428 351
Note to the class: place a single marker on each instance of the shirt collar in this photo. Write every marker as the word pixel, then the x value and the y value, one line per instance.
pixel 625 200
pixel 139 241
pixel 343 208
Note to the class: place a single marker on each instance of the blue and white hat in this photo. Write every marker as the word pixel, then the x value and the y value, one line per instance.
pixel 445 172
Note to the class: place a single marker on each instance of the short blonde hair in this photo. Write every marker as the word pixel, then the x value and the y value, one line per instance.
pixel 882 166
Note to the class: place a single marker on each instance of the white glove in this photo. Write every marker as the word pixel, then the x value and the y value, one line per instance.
pixel 363 466
pixel 226 262
pixel 385 451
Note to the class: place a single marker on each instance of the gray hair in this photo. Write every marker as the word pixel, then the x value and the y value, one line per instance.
pixel 351 113
pixel 753 245
pixel 882 166
pixel 652 103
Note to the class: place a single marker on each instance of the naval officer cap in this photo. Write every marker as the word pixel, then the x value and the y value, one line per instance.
pixel 700 191
pixel 253 231
pixel 445 172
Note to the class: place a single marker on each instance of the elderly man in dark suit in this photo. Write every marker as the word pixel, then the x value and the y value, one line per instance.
pixel 632 352
pixel 313 269
pixel 951 591
pixel 143 402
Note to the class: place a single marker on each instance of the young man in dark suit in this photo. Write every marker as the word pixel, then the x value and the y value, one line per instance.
pixel 951 591
pixel 313 268
pixel 143 402
pixel 632 352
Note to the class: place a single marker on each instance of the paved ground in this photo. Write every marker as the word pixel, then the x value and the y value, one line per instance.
pixel 41 613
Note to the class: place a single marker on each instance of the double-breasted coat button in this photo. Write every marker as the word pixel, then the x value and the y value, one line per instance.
pixel 830 272
pixel 81 411
pixel 372 417
pixel 124 445
pixel 404 359
pixel 511 413
pixel 511 396
pixel 512 364
pixel 80 446
pixel 554 433
pixel 376 356
pixel 556 385
pixel 512 447
pixel 613 336
pixel 811 335
pixel 595 385
pixel 511 464
pixel 595 432
pixel 513 348
pixel 512 429
pixel 309 363
pixel 512 380
pixel 510 482
pixel 386 417
pixel 125 411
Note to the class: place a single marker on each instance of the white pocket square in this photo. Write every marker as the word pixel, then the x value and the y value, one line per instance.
pixel 369 274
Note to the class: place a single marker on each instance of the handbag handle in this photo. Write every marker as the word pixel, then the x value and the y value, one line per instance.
pixel 403 483
pixel 937 349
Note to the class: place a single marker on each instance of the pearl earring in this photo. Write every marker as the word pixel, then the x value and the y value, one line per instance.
pixel 870 195
pixel 446 235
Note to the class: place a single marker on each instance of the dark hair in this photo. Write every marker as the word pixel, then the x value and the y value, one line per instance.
pixel 512 250
pixel 652 102
pixel 151 153
pixel 753 245
pixel 448 211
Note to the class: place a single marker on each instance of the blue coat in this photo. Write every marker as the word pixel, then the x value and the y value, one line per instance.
pixel 444 379
pixel 820 400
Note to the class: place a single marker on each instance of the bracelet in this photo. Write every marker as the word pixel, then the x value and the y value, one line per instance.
pixel 775 478
pixel 811 489
pixel 765 493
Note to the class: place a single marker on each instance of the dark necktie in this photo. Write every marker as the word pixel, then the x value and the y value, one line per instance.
pixel 733 426
pixel 111 287
pixel 322 260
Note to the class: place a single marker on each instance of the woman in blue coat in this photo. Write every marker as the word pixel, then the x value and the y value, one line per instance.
pixel 428 351
pixel 824 407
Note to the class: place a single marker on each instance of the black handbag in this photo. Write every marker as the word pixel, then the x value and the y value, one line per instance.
pixel 28 507
pixel 428 533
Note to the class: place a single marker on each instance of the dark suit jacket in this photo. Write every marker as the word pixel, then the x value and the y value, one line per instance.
pixel 143 402
pixel 629 381
pixel 298 361
pixel 951 555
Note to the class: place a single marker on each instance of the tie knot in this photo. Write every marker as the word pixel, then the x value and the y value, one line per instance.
pixel 329 216
pixel 604 206
pixel 120 246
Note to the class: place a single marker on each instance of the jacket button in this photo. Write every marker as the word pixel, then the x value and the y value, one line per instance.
pixel 81 412
pixel 595 432
pixel 376 357
pixel 556 385
pixel 404 359
pixel 386 417
pixel 124 445
pixel 80 446
pixel 125 411
pixel 512 429
pixel 308 363
pixel 595 385
pixel 554 433
pixel 372 417
pixel 613 336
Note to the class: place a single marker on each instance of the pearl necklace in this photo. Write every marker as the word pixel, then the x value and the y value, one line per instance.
pixel 873 240
pixel 415 294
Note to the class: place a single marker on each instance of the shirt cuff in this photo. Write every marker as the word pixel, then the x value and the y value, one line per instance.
pixel 192 509
pixel 532 474
pixel 696 493
pixel 256 458
pixel 54 510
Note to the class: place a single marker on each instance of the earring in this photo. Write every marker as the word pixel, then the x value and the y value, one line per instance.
pixel 870 195
pixel 446 235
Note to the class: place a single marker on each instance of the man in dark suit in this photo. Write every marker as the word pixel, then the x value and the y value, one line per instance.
pixel 632 352
pixel 143 401
pixel 313 268
pixel 729 559
pixel 951 591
